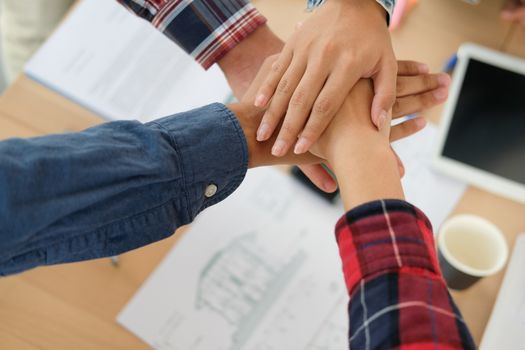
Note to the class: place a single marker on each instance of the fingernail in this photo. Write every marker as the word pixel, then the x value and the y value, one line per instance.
pixel 440 94
pixel 301 146
pixel 382 119
pixel 260 101
pixel 264 132
pixel 423 68
pixel 443 79
pixel 328 186
pixel 278 149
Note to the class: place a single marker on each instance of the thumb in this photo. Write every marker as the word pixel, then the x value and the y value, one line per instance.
pixel 400 165
pixel 384 92
pixel 319 176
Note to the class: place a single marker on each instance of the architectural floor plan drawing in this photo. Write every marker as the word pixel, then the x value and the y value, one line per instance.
pixel 240 283
pixel 259 271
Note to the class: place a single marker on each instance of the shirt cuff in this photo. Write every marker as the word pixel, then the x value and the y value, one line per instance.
pixel 385 236
pixel 205 29
pixel 213 153
pixel 388 5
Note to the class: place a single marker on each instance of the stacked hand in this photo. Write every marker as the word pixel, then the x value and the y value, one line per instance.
pixel 342 42
pixel 359 154
pixel 301 91
pixel 415 92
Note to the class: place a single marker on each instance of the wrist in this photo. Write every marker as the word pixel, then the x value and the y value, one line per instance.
pixel 358 139
pixel 241 64
pixel 259 153
pixel 366 174
pixel 247 117
pixel 350 153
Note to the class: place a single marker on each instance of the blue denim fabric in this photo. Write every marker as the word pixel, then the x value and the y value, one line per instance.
pixel 114 187
pixel 387 4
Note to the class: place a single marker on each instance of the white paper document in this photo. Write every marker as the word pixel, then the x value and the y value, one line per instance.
pixel 120 67
pixel 434 193
pixel 506 327
pixel 261 270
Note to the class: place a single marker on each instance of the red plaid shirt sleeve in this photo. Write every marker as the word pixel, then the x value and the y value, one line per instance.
pixel 398 298
pixel 205 29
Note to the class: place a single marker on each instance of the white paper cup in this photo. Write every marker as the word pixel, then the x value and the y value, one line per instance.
pixel 469 248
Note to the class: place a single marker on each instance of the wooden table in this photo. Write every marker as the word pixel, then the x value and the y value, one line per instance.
pixel 74 306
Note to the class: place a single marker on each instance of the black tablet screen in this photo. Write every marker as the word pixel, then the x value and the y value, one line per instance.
pixel 487 130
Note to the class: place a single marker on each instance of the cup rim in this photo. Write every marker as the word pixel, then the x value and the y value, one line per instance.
pixel 463 267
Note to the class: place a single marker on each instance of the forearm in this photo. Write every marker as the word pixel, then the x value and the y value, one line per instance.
pixel 398 297
pixel 397 294
pixel 366 171
pixel 114 187
pixel 242 63
pixel 121 185
pixel 260 152
pixel 389 261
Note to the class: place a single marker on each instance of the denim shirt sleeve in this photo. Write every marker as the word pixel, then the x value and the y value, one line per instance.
pixel 114 187
pixel 388 5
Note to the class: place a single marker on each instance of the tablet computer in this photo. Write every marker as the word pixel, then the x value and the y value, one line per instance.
pixel 482 131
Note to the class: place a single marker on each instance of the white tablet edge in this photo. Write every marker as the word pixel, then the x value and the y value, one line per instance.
pixel 481 178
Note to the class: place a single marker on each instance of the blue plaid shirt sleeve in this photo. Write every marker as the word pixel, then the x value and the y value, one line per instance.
pixel 205 29
pixel 208 29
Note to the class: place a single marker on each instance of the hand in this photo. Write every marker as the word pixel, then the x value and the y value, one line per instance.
pixel 352 127
pixel 259 153
pixel 241 64
pixel 514 11
pixel 417 92
pixel 360 155
pixel 343 41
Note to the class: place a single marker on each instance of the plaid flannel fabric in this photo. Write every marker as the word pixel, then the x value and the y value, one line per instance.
pixel 398 298
pixel 205 29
